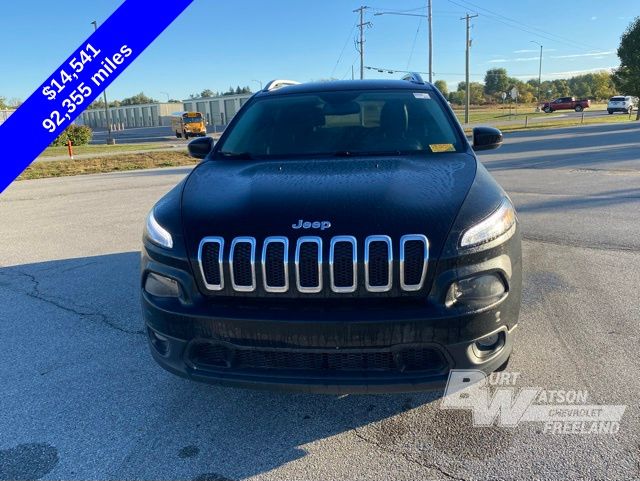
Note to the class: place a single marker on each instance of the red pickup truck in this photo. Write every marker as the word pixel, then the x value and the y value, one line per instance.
pixel 566 103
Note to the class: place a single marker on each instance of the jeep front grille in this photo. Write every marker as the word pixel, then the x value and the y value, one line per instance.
pixel 375 261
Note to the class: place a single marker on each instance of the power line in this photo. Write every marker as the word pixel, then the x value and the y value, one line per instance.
pixel 413 46
pixel 523 27
pixel 459 74
pixel 533 27
pixel 343 49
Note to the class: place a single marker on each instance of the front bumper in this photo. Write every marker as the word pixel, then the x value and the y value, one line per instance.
pixel 328 345
pixel 175 358
pixel 297 350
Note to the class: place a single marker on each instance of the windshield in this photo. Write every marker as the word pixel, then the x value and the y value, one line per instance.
pixel 191 120
pixel 342 123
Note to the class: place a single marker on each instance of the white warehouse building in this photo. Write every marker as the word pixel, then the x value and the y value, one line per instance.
pixel 217 110
pixel 130 116
pixel 4 114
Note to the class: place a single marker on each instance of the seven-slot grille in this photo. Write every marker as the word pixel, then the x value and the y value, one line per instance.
pixel 237 264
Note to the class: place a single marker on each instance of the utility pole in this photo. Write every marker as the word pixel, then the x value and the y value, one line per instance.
pixel 467 94
pixel 360 42
pixel 110 140
pixel 539 73
pixel 429 18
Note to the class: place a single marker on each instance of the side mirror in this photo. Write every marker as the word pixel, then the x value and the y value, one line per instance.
pixel 200 147
pixel 486 138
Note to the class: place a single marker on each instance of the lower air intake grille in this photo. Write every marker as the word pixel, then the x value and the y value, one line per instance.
pixel 207 355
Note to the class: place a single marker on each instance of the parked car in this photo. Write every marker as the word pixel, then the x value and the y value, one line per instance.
pixel 621 103
pixel 339 237
pixel 566 103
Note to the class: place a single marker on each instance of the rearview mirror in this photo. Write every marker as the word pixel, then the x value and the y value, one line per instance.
pixel 200 147
pixel 486 138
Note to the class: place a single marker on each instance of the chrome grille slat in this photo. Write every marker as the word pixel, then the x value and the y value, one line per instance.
pixel 269 264
pixel 241 265
pixel 343 264
pixel 302 265
pixel 336 263
pixel 407 259
pixel 219 241
pixel 376 263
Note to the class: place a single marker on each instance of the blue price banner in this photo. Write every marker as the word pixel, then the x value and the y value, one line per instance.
pixel 79 80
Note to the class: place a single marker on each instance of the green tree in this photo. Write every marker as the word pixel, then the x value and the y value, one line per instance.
pixel 627 76
pixel 441 85
pixel 3 104
pixel 603 86
pixel 138 99
pixel 476 90
pixel 207 93
pixel 77 134
pixel 496 81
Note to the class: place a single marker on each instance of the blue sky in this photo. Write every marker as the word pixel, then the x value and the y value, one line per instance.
pixel 217 43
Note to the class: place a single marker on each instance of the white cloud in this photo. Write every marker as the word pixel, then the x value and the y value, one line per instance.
pixel 594 18
pixel 525 59
pixel 498 60
pixel 591 54
pixel 571 73
pixel 528 50
pixel 565 74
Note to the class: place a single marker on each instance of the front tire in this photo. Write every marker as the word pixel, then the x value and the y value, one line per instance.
pixel 610 112
pixel 548 110
pixel 185 135
pixel 578 108
pixel 178 135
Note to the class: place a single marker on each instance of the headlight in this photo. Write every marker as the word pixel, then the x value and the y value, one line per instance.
pixel 158 234
pixel 498 223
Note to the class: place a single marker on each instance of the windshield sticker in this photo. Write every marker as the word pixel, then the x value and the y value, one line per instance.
pixel 442 148
pixel 421 95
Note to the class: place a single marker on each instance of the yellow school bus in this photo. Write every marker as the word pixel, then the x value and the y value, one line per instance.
pixel 188 124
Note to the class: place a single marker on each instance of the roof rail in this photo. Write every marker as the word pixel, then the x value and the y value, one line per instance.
pixel 414 77
pixel 278 83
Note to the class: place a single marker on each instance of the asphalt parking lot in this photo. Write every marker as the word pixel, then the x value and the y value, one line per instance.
pixel 82 398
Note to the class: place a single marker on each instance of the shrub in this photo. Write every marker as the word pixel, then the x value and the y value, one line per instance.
pixel 77 134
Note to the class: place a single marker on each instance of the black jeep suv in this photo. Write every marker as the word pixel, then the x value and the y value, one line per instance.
pixel 339 237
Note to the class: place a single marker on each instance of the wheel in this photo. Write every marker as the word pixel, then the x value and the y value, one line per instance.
pixel 578 108
pixel 185 135
pixel 178 135
pixel 548 110
pixel 610 112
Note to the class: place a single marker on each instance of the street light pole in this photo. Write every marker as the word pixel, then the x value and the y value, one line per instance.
pixel 110 140
pixel 429 18
pixel 539 72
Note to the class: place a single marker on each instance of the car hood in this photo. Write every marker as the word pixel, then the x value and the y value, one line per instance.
pixel 359 197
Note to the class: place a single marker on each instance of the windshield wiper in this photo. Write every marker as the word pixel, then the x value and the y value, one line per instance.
pixel 236 155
